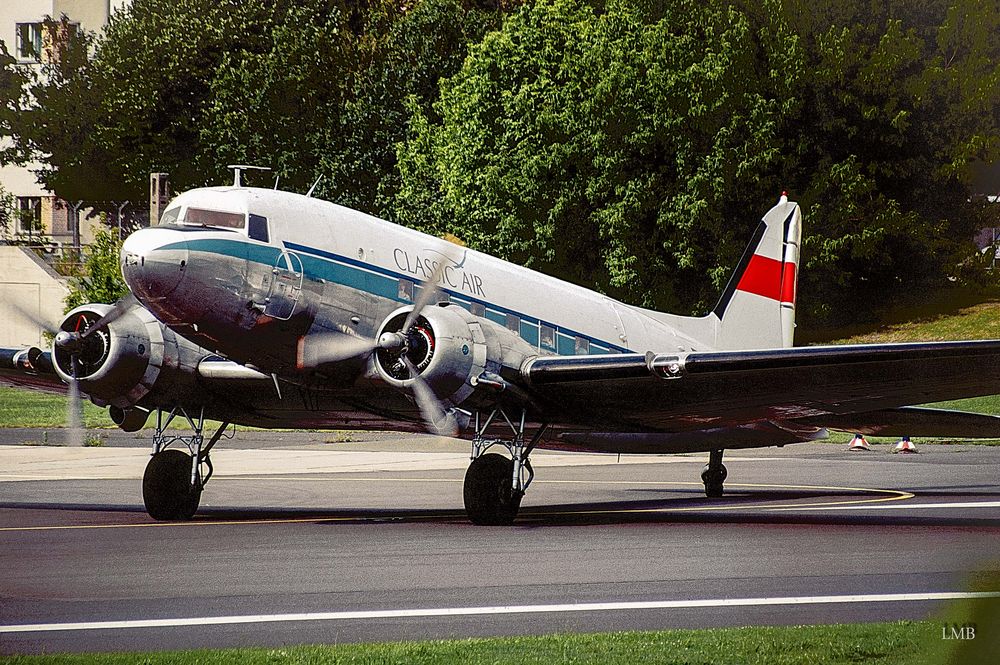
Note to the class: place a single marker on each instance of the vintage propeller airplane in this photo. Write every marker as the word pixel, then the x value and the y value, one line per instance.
pixel 273 309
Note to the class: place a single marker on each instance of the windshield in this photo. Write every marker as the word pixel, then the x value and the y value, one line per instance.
pixel 170 216
pixel 201 217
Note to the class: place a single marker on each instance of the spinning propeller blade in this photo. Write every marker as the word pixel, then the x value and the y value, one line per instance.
pixel 120 308
pixel 428 290
pixel 316 350
pixel 438 420
pixel 74 407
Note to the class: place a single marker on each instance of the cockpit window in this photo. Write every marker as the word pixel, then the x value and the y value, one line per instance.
pixel 170 216
pixel 228 220
pixel 258 228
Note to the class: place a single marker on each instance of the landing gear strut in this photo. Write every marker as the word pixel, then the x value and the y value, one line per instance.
pixel 494 484
pixel 173 480
pixel 714 475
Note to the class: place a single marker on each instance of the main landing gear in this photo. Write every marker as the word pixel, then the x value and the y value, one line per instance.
pixel 714 474
pixel 495 484
pixel 173 480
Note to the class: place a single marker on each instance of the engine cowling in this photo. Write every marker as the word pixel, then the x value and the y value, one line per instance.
pixel 450 348
pixel 120 364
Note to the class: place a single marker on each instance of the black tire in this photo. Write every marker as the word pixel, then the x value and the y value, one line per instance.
pixel 714 490
pixel 166 487
pixel 488 494
pixel 714 482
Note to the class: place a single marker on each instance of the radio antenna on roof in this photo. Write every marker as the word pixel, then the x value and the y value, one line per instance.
pixel 311 189
pixel 238 170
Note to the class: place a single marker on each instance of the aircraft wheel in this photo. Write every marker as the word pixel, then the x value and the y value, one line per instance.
pixel 488 493
pixel 714 480
pixel 166 486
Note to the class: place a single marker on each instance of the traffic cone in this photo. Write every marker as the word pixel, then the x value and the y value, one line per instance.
pixel 859 443
pixel 905 446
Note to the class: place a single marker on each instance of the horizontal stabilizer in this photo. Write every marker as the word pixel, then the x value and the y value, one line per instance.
pixel 754 435
pixel 912 421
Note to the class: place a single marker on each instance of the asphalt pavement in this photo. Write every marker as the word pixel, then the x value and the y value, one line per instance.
pixel 307 538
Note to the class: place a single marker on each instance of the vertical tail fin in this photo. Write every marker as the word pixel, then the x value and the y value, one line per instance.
pixel 757 309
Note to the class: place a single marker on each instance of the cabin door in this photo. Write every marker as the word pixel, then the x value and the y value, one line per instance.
pixel 286 286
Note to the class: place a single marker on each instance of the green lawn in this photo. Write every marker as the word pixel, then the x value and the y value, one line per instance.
pixel 979 321
pixel 26 408
pixel 872 644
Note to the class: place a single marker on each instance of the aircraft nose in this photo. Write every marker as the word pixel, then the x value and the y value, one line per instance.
pixel 154 262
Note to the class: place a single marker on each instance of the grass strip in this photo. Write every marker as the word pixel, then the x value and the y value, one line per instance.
pixel 27 408
pixel 895 643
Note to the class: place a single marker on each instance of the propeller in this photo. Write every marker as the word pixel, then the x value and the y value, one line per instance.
pixel 74 343
pixel 324 348
pixel 119 308
pixel 316 350
pixel 74 407
pixel 438 420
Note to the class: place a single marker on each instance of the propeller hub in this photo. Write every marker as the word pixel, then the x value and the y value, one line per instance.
pixel 70 342
pixel 392 341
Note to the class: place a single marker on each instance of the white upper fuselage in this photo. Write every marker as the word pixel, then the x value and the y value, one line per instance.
pixel 382 265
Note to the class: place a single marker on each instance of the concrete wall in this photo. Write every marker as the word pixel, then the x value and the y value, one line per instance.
pixel 27 285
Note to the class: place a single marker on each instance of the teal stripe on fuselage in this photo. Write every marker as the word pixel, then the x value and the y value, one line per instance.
pixel 371 279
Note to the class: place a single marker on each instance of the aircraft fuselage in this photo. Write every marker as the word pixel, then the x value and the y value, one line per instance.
pixel 248 273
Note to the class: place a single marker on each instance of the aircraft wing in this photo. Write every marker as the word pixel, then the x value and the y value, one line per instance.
pixel 841 387
pixel 30 368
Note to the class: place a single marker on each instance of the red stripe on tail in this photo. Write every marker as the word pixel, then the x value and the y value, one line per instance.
pixel 762 277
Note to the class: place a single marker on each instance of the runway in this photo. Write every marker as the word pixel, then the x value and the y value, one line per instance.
pixel 302 541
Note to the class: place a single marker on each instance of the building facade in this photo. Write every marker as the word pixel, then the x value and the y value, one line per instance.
pixel 39 216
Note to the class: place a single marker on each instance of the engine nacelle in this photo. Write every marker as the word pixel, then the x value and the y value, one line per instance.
pixel 129 420
pixel 450 348
pixel 120 364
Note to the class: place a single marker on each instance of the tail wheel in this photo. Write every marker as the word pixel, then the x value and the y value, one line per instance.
pixel 166 486
pixel 714 479
pixel 489 495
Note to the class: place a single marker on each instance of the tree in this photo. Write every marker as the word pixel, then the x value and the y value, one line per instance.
pixel 901 102
pixel 102 281
pixel 187 87
pixel 404 56
pixel 626 148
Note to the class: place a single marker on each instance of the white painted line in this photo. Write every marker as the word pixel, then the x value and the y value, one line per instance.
pixel 904 506
pixel 502 609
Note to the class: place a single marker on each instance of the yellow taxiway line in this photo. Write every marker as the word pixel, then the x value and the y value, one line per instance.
pixel 893 495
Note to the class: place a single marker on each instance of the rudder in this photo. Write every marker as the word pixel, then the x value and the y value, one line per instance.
pixel 757 308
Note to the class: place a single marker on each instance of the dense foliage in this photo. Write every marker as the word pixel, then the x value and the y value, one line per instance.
pixel 627 146
pixel 102 280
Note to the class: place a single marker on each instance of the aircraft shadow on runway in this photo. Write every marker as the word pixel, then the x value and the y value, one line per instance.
pixel 738 506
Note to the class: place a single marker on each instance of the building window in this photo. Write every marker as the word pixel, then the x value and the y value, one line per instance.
pixel 29 214
pixel 29 42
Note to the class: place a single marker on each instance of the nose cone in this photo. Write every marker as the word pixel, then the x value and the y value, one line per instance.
pixel 153 263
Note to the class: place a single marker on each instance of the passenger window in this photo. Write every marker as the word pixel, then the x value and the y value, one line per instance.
pixel 514 323
pixel 258 228
pixel 478 309
pixel 405 292
pixel 582 346
pixel 548 337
